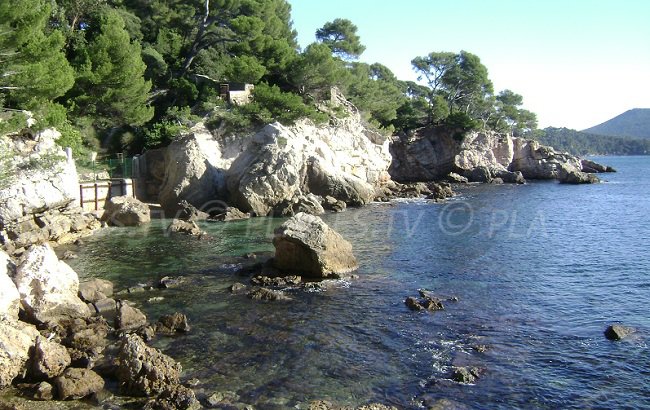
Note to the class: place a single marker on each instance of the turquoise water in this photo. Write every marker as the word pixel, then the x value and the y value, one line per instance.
pixel 540 270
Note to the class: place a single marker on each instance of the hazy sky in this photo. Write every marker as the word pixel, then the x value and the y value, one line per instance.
pixel 577 63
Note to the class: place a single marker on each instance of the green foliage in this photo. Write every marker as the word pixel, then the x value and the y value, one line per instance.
pixel 461 123
pixel 135 71
pixel 375 91
pixel 315 71
pixel 271 104
pixel 583 143
pixel 110 84
pixel 162 133
pixel 34 68
pixel 12 121
pixel 342 39
pixel 244 69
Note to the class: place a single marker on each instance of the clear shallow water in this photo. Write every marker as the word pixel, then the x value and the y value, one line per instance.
pixel 540 270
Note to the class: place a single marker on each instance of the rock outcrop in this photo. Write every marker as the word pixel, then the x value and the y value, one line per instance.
pixel 126 211
pixel 307 246
pixel 284 163
pixel 276 168
pixel 49 359
pixel 144 371
pixel 78 383
pixel 618 332
pixel 16 340
pixel 39 193
pixel 48 287
pixel 435 153
pixel 178 226
pixel 9 296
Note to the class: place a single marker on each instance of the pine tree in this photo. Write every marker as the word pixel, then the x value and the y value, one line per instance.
pixel 110 83
pixel 33 67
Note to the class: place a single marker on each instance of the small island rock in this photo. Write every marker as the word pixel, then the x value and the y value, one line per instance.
pixel 306 245
pixel 126 211
pixel 618 332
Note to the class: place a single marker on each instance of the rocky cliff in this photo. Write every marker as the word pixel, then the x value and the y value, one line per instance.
pixel 39 193
pixel 433 153
pixel 276 167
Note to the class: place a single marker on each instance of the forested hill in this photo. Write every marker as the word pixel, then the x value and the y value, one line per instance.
pixel 633 123
pixel 134 74
pixel 584 143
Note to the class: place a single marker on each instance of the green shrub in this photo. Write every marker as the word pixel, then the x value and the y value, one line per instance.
pixel 162 133
pixel 12 121
pixel 272 104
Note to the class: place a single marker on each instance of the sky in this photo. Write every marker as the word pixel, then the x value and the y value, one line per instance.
pixel 577 63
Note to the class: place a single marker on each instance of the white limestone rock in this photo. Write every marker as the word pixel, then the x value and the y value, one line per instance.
pixel 48 287
pixel 9 296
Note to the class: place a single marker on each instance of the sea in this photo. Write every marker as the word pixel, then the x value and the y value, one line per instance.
pixel 530 276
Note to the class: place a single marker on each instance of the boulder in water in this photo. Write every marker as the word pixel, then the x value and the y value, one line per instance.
pixel 126 211
pixel 188 212
pixel 618 332
pixel 129 317
pixel 305 245
pixel 569 175
pixel 95 290
pixel 178 226
pixel 172 324
pixel 230 214
pixel 466 375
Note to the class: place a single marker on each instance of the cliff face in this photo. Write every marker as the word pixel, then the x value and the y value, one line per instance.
pixel 433 153
pixel 39 193
pixel 278 165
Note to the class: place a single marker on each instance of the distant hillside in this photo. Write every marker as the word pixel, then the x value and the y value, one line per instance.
pixel 583 143
pixel 633 123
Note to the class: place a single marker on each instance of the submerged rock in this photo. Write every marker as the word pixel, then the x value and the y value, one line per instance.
pixel 267 294
pixel 466 375
pixel 427 302
pixel 237 287
pixel 618 332
pixel 306 245
pixel 126 211
pixel 172 324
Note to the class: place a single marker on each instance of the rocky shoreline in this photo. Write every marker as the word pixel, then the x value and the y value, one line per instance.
pixel 65 340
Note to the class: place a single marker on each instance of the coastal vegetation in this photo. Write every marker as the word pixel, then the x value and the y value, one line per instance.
pixel 587 143
pixel 126 75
